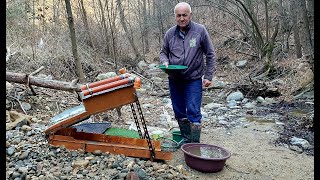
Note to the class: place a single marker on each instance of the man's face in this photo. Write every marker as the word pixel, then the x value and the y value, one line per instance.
pixel 183 16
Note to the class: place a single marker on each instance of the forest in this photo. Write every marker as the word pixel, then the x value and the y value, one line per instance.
pixel 111 34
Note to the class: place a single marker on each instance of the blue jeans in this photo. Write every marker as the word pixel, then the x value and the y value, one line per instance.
pixel 186 97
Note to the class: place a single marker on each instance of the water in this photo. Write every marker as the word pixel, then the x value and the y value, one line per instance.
pixel 206 152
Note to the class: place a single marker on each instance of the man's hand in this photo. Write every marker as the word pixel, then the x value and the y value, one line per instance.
pixel 206 83
pixel 166 64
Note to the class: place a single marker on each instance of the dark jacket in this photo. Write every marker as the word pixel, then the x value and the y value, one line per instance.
pixel 189 52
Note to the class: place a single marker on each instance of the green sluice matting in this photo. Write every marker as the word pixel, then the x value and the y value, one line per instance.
pixel 114 131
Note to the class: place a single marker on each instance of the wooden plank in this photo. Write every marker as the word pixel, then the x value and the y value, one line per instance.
pixel 127 150
pixel 110 100
pixel 101 138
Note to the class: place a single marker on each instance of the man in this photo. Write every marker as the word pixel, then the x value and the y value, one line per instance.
pixel 185 44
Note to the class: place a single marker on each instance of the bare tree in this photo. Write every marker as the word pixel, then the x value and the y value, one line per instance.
pixel 56 13
pixel 293 14
pixel 164 16
pixel 145 26
pixel 104 25
pixel 310 11
pixel 263 45
pixel 33 45
pixel 304 31
pixel 85 22
pixel 79 70
pixel 111 20
pixel 159 16
pixel 126 29
pixel 42 15
pixel 284 21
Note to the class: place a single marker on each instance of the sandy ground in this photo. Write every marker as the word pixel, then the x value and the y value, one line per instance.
pixel 253 155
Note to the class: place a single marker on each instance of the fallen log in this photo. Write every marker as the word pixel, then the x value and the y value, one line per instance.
pixel 46 83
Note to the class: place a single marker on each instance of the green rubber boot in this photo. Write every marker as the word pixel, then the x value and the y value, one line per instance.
pixel 184 125
pixel 195 132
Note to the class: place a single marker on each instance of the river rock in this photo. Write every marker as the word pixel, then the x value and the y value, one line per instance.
pixel 24 155
pixel 106 75
pixel 80 164
pixel 26 106
pixel 17 119
pixel 15 174
pixel 260 99
pixel 23 169
pixel 142 65
pixel 11 151
pixel 212 106
pixel 298 141
pixel 237 96
pixel 242 63
pixel 97 152
pixel 26 128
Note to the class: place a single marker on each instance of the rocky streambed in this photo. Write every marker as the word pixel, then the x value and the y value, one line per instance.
pixel 29 156
pixel 228 119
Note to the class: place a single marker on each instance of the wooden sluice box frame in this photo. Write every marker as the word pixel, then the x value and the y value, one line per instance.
pixel 98 97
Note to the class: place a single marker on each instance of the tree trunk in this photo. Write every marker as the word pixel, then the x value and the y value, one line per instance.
pixel 159 20
pixel 105 29
pixel 56 14
pixel 293 12
pixel 303 24
pixel 43 16
pixel 79 70
pixel 304 32
pixel 145 26
pixel 97 14
pixel 284 25
pixel 125 28
pixel 267 20
pixel 141 22
pixel 112 29
pixel 310 10
pixel 85 22
pixel 52 84
pixel 33 45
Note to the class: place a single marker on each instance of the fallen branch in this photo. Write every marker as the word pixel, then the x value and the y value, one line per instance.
pixel 46 83
pixel 262 75
pixel 32 74
pixel 36 71
pixel 111 63
pixel 18 102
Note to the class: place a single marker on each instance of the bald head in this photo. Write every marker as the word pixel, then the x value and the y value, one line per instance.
pixel 183 5
pixel 183 14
